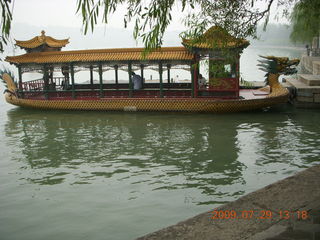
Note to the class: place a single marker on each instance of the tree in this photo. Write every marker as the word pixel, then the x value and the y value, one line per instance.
pixel 305 19
pixel 152 17
pixel 5 22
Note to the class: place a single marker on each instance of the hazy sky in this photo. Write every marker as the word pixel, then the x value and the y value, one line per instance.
pixel 63 13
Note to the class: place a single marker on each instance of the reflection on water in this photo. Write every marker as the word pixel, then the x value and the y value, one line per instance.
pixel 153 147
pixel 166 166
pixel 207 151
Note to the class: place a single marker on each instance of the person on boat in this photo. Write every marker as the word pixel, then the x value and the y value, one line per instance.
pixel 137 81
pixel 202 81
pixel 176 79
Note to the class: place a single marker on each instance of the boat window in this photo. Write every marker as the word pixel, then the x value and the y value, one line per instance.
pixel 221 69
pixel 123 75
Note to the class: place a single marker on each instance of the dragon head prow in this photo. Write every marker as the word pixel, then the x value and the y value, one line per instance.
pixel 278 65
pixel 7 77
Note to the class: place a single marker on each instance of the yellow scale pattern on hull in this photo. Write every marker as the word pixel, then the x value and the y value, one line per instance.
pixel 278 95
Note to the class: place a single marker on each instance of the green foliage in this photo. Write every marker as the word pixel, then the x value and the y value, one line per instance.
pixel 5 22
pixel 151 18
pixel 239 18
pixel 305 19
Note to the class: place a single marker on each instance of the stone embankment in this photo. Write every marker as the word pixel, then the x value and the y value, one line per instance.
pixel 305 87
pixel 286 210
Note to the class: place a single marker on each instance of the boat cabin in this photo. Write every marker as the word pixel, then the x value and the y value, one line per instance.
pixel 112 73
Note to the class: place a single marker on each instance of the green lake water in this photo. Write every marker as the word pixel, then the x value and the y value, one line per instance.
pixel 99 175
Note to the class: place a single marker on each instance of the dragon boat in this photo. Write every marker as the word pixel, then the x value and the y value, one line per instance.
pixel 107 77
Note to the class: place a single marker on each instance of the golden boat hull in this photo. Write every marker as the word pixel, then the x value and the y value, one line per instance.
pixel 278 95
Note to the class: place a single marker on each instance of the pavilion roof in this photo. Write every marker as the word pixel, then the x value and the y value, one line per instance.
pixel 216 38
pixel 112 55
pixel 41 40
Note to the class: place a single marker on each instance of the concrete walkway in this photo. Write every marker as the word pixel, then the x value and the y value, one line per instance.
pixel 257 215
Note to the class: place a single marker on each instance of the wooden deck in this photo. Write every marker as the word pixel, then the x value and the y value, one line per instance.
pixel 249 94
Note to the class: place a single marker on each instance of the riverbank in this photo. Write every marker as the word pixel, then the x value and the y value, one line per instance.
pixel 287 209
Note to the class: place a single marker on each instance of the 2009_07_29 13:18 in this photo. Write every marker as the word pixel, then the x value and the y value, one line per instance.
pixel 259 214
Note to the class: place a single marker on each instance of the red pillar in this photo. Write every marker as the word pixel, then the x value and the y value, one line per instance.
pixel 196 74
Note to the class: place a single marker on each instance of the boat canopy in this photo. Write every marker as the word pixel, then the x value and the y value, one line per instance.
pixel 104 55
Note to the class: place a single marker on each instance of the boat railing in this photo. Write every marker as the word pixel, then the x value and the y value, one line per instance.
pixel 59 81
pixel 39 85
pixel 106 93
pixel 33 85
pixel 60 87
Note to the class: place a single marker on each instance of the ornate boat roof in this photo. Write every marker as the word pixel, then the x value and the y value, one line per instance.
pixel 216 38
pixel 112 55
pixel 42 40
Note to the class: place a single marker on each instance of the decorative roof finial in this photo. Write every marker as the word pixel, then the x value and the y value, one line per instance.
pixel 42 38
